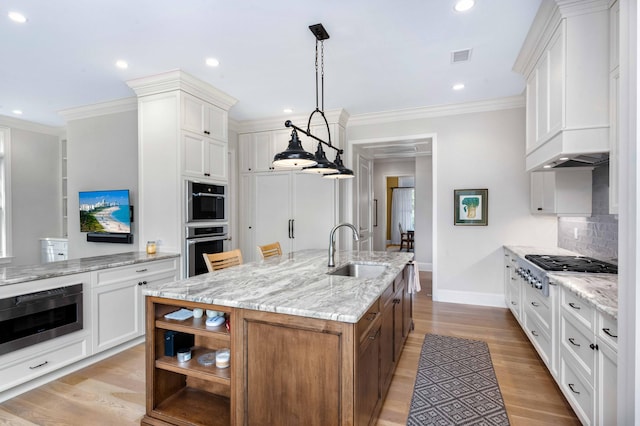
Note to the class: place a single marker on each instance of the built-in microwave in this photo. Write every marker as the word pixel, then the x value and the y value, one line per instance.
pixel 206 202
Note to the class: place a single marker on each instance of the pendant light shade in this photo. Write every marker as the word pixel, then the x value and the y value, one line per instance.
pixel 343 172
pixel 324 166
pixel 294 155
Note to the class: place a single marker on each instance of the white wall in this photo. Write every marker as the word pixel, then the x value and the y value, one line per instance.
pixel 102 153
pixel 473 150
pixel 36 199
pixel 381 170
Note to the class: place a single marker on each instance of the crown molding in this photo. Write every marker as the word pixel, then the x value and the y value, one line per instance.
pixel 336 116
pixel 30 126
pixel 437 111
pixel 102 108
pixel 581 7
pixel 180 80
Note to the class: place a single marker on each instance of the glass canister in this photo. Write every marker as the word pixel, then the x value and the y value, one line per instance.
pixel 151 247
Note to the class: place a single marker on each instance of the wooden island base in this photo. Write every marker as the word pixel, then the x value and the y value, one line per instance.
pixel 285 369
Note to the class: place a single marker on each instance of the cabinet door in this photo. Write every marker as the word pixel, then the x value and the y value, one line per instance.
pixel 314 211
pixel 365 202
pixel 116 314
pixel 607 401
pixel 194 155
pixel 398 322
pixel 542 95
pixel 368 378
pixel 192 114
pixel 247 152
pixel 262 145
pixel 215 122
pixel 272 195
pixel 531 126
pixel 556 70
pixel 217 155
pixel 247 210
pixel 387 346
pixel 543 192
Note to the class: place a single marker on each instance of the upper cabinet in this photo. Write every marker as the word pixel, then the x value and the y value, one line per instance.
pixel 565 60
pixel 203 118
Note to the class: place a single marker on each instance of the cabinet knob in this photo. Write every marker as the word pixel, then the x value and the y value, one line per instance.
pixel 539 209
pixel 207 174
pixel 206 132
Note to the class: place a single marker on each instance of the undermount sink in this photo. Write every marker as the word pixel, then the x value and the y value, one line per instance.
pixel 359 270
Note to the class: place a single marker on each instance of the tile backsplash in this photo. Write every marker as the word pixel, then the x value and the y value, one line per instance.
pixel 598 234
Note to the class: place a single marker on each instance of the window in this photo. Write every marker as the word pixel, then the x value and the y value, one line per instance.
pixel 5 192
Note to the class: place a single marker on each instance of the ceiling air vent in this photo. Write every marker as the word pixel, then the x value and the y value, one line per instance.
pixel 460 55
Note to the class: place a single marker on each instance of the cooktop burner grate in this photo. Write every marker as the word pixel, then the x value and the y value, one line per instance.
pixel 571 264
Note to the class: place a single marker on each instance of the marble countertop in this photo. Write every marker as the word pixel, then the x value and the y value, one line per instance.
pixel 24 273
pixel 295 284
pixel 600 290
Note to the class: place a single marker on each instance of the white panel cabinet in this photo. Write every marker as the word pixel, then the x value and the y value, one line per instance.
pixel 562 192
pixel 258 149
pixel 117 304
pixel 203 118
pixel 204 157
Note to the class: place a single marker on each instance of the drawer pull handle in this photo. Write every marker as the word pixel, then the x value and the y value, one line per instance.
pixel 607 331
pixel 571 385
pixel 39 365
pixel 513 303
pixel 142 270
pixel 573 342
pixel 593 346
pixel 574 306
pixel 534 333
pixel 534 304
pixel 371 316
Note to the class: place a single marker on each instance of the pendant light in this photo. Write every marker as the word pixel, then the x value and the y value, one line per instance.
pixel 295 155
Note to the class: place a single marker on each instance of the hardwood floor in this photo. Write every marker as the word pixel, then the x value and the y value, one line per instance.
pixel 111 392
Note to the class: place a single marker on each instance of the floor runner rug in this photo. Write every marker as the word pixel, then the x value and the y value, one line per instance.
pixel 456 385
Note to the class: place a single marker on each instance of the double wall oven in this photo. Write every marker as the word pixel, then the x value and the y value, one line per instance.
pixel 207 229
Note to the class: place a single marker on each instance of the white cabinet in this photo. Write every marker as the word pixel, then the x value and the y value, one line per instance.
pixel 512 285
pixel 203 118
pixel 204 157
pixel 258 149
pixel 53 249
pixel 607 370
pixel 562 192
pixel 296 209
pixel 565 60
pixel 117 303
pixel 614 98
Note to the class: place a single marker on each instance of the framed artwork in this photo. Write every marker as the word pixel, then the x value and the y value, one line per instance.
pixel 470 207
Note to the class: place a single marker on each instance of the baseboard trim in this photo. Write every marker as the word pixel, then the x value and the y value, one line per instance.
pixel 495 300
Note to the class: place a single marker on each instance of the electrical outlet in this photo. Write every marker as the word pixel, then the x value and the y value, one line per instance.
pixel 575 233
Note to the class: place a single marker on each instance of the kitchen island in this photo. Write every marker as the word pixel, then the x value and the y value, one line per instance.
pixel 306 347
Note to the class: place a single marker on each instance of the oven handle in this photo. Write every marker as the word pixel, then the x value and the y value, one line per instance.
pixel 192 241
pixel 204 194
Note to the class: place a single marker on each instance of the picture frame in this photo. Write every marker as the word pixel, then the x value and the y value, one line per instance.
pixel 471 207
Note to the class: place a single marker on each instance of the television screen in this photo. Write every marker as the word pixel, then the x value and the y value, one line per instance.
pixel 105 211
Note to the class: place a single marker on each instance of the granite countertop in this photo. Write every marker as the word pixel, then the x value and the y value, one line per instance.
pixel 600 290
pixel 294 284
pixel 24 273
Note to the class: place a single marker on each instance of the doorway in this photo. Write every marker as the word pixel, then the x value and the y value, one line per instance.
pixel 400 212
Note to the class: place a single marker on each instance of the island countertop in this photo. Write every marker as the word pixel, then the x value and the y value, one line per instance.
pixel 25 273
pixel 295 284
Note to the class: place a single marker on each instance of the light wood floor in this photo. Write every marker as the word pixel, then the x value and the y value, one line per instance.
pixel 111 392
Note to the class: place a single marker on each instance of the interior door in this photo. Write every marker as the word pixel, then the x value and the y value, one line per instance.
pixel 272 194
pixel 314 211
pixel 365 203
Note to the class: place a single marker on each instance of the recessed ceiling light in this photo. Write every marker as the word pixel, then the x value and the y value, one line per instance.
pixel 212 62
pixel 458 86
pixel 17 112
pixel 17 17
pixel 122 64
pixel 464 5
pixel 287 110
pixel 564 158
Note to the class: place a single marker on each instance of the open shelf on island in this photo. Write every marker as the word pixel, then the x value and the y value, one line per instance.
pixel 193 326
pixel 196 407
pixel 194 369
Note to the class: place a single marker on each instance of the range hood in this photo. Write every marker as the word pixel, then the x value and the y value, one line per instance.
pixel 583 160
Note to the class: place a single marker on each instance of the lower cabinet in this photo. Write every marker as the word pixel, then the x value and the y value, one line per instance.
pixel 117 304
pixel 284 369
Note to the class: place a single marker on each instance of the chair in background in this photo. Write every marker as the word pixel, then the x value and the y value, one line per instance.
pixel 406 238
pixel 270 250
pixel 222 260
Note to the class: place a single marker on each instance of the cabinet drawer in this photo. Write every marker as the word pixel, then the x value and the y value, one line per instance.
pixel 578 342
pixel 538 336
pixel 41 363
pixel 539 305
pixel 133 272
pixel 368 320
pixel 608 330
pixel 577 390
pixel 578 307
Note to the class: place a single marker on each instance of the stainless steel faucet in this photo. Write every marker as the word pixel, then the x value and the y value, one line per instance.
pixel 332 241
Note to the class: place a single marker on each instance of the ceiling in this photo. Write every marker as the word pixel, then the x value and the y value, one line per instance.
pixel 382 55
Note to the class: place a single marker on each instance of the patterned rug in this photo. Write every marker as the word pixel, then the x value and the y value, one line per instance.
pixel 456 385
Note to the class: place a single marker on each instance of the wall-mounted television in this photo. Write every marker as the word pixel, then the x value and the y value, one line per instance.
pixel 106 212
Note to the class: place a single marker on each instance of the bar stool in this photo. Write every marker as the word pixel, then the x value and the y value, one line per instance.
pixel 222 260
pixel 270 250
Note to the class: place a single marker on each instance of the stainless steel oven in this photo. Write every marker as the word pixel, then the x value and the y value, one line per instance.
pixel 203 239
pixel 35 317
pixel 206 202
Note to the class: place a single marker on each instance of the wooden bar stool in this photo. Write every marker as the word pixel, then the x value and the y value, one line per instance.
pixel 222 260
pixel 270 250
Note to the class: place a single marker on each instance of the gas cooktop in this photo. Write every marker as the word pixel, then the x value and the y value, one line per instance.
pixel 571 264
